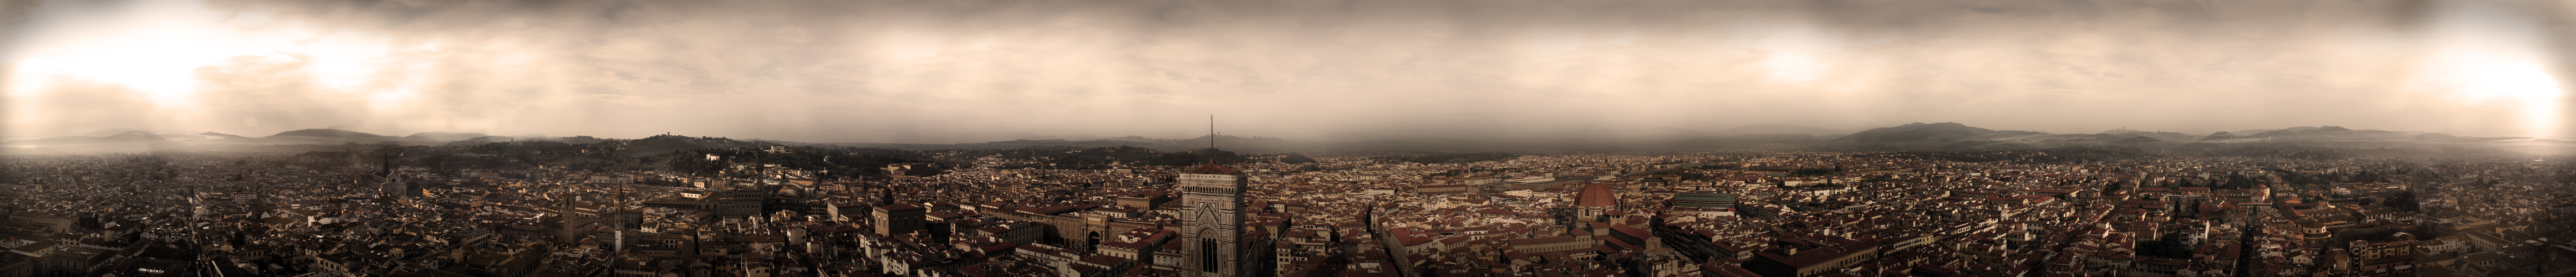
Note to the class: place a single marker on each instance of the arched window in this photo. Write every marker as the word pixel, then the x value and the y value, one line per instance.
pixel 1207 256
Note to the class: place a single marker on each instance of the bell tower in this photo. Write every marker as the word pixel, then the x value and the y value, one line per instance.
pixel 1212 226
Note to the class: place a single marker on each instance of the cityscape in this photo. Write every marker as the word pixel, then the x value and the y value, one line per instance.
pixel 2264 204
pixel 1287 138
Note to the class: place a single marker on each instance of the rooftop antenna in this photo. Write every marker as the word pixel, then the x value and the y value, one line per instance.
pixel 1211 152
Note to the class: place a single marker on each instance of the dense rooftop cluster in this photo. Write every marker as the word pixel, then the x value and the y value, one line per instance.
pixel 1478 214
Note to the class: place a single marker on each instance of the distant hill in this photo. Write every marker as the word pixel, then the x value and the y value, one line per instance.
pixel 328 133
pixel 669 143
pixel 1014 144
pixel 443 136
pixel 1254 145
pixel 1421 145
pixel 2322 134
pixel 327 136
pixel 1776 128
pixel 128 141
pixel 2330 132
pixel 2253 131
pixel 221 135
pixel 134 136
pixel 1955 136
pixel 480 140
pixel 126 137
pixel 1680 131
pixel 1918 136
pixel 2219 136
pixel 1919 132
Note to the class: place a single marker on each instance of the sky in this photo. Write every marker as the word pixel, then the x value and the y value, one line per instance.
pixel 980 70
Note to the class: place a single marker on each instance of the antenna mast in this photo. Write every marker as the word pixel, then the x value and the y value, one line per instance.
pixel 1211 151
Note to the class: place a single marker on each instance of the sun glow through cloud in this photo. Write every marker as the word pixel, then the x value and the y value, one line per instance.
pixel 2482 77
pixel 838 70
pixel 2496 61
pixel 157 49
pixel 1792 53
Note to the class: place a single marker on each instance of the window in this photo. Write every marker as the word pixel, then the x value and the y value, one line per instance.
pixel 1207 254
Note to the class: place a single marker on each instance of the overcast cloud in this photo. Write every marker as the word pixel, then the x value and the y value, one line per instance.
pixel 964 70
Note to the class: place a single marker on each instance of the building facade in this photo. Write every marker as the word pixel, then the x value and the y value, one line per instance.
pixel 899 218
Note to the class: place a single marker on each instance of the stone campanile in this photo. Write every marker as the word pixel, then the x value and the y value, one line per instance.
pixel 1212 227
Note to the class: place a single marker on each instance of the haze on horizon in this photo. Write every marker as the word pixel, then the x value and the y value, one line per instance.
pixel 973 70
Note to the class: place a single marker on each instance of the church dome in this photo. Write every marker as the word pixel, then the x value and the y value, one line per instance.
pixel 1596 195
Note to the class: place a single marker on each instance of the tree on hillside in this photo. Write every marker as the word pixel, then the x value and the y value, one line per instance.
pixel 1295 158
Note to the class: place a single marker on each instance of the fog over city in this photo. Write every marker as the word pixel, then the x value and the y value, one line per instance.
pixel 988 70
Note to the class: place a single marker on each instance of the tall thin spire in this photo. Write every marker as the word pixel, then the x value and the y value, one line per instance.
pixel 1211 131
pixel 1211 152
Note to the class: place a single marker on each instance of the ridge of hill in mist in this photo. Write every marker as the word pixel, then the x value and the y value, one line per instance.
pixel 1777 128
pixel 1943 136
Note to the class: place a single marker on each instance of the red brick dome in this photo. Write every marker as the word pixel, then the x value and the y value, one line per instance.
pixel 1596 195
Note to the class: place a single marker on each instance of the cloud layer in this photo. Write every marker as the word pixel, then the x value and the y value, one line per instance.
pixel 946 71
